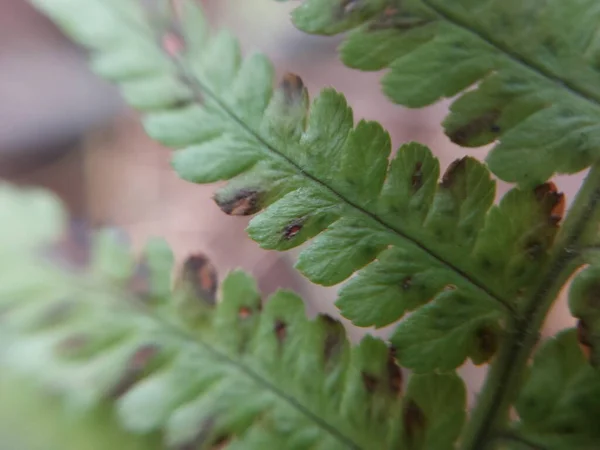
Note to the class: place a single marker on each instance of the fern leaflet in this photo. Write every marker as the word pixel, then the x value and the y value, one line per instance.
pixel 560 402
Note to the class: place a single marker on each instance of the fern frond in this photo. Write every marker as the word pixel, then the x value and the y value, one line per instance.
pixel 559 404
pixel 536 64
pixel 319 175
pixel 196 373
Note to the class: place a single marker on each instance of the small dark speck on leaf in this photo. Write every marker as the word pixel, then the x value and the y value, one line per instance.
pixel 370 382
pixel 244 312
pixel 414 419
pixel 406 283
pixel 280 329
pixel 487 341
pixel 417 177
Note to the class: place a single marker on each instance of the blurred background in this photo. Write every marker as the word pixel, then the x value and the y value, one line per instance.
pixel 66 130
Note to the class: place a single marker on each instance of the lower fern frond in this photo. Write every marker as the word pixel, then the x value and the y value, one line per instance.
pixel 199 373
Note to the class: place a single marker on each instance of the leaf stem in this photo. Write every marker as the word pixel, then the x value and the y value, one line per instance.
pixel 522 332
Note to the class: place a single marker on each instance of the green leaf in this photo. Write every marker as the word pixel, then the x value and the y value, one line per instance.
pixel 433 412
pixel 407 235
pixel 584 302
pixel 535 67
pixel 443 333
pixel 132 370
pixel 560 402
pixel 29 218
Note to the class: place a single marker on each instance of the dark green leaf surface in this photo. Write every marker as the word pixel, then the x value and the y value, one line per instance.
pixel 559 404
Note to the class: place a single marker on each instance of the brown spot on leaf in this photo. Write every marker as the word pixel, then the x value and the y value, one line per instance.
pixel 139 283
pixel 394 373
pixel 201 276
pixel 482 124
pixel 414 420
pixel 370 382
pixel 244 312
pixel 134 369
pixel 534 249
pixel 292 229
pixel 487 342
pixel 293 88
pixel 553 202
pixel 245 202
pixel 280 329
pixel 417 177
pixel 583 336
pixel 454 169
pixel 406 283
pixel 334 337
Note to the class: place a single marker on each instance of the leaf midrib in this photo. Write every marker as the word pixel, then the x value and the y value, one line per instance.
pixel 572 87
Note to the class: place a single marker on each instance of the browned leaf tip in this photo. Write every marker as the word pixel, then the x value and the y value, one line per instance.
pixel 485 123
pixel 457 167
pixel 394 373
pixel 334 338
pixel 137 364
pixel 553 202
pixel 244 202
pixel 280 330
pixel 201 276
pixel 414 420
pixel 293 88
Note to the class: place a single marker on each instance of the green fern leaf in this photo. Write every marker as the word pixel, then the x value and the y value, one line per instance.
pixel 536 64
pixel 559 404
pixel 319 175
pixel 195 373
pixel 584 302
